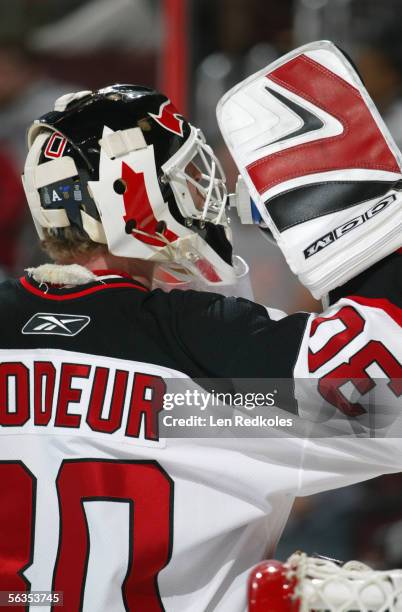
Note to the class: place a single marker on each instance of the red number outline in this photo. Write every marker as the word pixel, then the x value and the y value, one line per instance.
pixel 20 486
pixel 354 325
pixel 353 370
pixel 145 485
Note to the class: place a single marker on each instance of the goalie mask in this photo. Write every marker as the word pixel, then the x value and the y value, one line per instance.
pixel 319 163
pixel 123 166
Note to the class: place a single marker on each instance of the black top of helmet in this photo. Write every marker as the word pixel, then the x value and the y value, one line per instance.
pixel 118 107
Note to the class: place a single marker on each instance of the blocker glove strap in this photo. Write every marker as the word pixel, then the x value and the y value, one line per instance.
pixel 319 162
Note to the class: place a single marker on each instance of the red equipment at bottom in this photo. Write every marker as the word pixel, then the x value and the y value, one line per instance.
pixel 269 588
pixel 318 584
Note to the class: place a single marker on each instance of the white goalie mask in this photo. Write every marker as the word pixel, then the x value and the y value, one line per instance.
pixel 123 166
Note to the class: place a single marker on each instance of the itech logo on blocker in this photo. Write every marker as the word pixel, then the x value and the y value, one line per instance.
pixel 346 227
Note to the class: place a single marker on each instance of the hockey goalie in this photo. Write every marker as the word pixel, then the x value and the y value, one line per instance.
pixel 98 503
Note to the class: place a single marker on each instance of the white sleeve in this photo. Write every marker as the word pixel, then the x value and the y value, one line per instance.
pixel 348 391
pixel 275 314
pixel 335 462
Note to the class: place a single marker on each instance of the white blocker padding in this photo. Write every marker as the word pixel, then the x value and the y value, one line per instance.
pixel 319 162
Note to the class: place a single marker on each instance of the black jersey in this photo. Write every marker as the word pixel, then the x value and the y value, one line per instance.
pixel 198 333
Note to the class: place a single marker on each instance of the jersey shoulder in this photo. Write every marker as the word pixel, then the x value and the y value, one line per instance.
pixel 237 338
pixel 351 359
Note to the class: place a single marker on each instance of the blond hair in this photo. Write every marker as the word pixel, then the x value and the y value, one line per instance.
pixel 66 244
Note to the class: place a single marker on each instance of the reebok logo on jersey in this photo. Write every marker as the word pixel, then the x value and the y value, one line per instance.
pixel 56 324
pixel 347 227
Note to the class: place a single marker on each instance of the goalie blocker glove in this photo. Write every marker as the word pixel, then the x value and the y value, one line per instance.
pixel 319 163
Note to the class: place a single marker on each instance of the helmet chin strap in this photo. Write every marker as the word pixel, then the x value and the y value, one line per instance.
pixel 162 238
pixel 181 256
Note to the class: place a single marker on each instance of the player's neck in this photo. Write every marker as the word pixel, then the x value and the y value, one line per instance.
pixel 139 270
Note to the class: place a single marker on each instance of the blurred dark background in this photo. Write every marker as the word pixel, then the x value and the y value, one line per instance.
pixel 51 47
